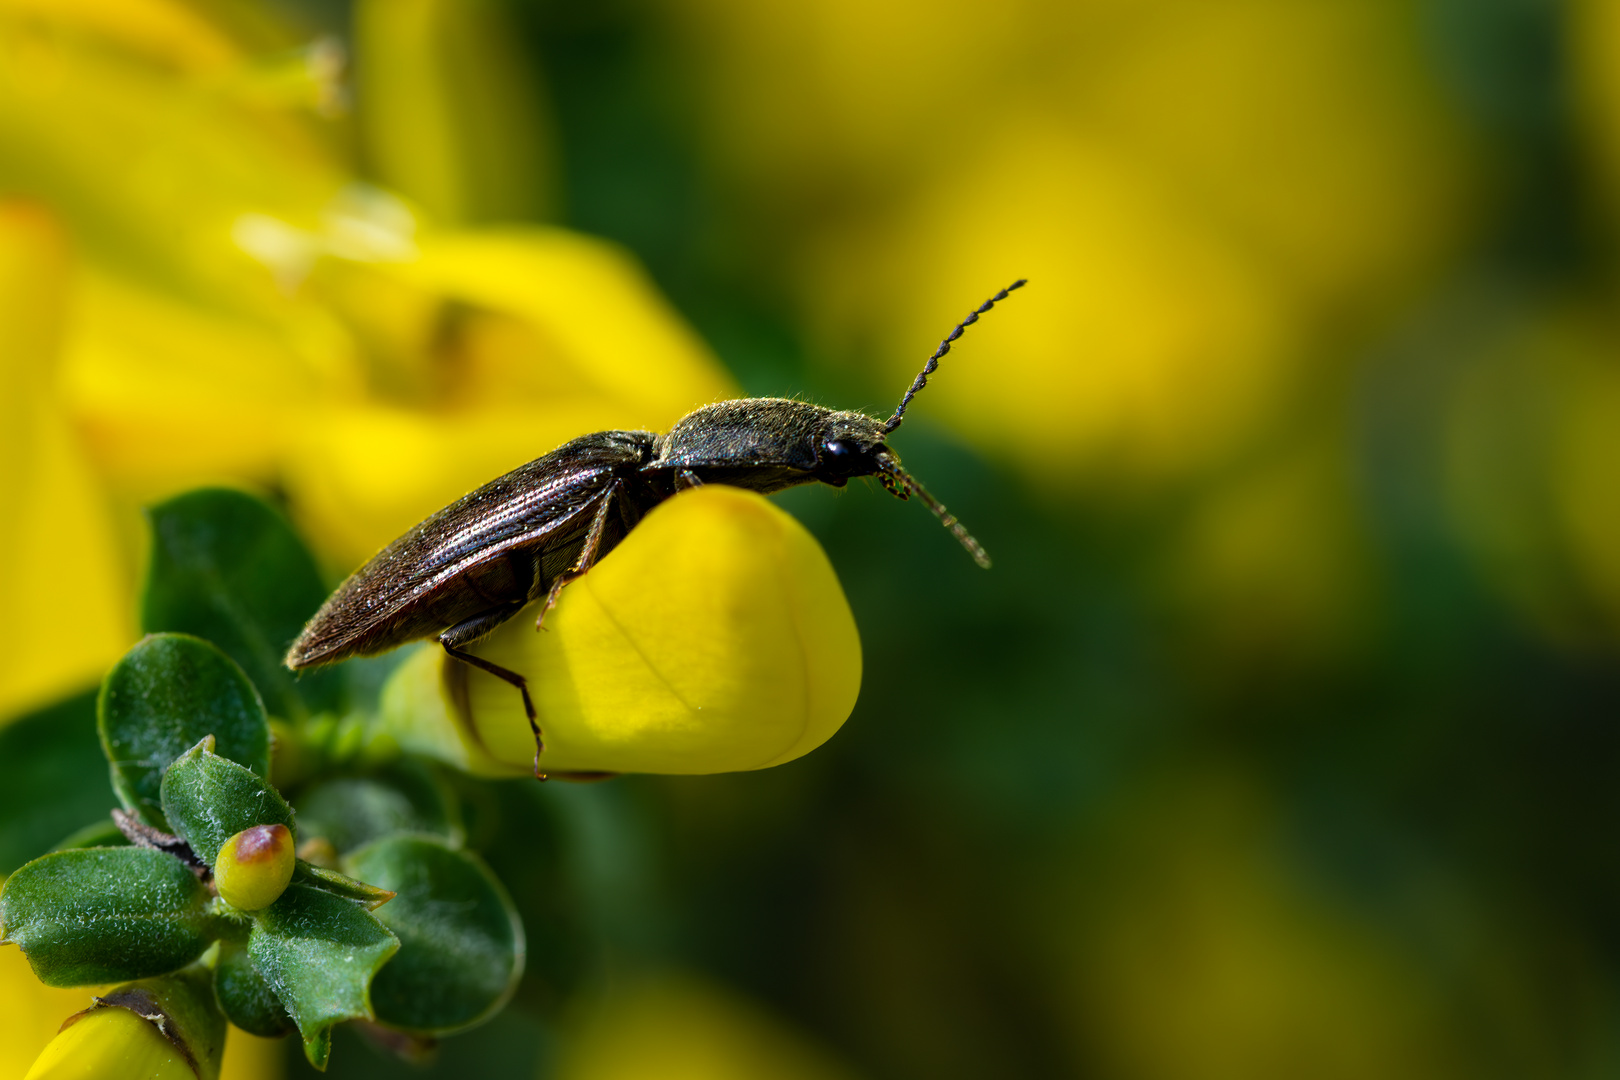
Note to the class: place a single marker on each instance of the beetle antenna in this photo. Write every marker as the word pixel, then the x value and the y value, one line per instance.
pixel 944 347
pixel 902 486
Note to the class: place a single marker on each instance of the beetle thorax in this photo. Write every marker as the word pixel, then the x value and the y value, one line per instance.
pixel 763 432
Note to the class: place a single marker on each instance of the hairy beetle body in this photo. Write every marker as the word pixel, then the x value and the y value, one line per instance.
pixel 524 536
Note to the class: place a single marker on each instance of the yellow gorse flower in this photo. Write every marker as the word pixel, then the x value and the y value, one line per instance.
pixel 716 638
pixel 201 290
pixel 167 1028
pixel 111 1044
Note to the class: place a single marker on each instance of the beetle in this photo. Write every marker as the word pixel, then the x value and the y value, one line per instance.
pixel 526 535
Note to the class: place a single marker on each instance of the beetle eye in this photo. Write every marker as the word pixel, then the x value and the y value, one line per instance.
pixel 837 448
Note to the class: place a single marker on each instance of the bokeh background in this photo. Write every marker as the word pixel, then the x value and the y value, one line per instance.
pixel 1282 739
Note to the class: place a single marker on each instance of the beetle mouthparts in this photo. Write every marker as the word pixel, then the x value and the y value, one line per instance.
pixel 902 486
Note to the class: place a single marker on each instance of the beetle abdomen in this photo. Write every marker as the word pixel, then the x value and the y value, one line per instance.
pixel 479 554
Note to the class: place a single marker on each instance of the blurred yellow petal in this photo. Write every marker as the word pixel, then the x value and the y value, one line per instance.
pixel 507 343
pixel 1317 133
pixel 248 1057
pixel 33 1012
pixel 1532 447
pixel 163 29
pixel 1146 343
pixel 60 570
pixel 1584 488
pixel 1199 948
pixel 714 638
pixel 596 310
pixel 680 1028
pixel 801 97
pixel 447 114
pixel 111 1044
pixel 171 393
pixel 1592 37
pixel 1211 193
pixel 151 169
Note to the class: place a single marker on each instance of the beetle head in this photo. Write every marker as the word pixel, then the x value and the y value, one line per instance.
pixel 767 444
pixel 851 444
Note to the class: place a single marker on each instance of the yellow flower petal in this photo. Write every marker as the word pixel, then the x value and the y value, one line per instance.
pixel 33 1012
pixel 543 335
pixel 162 29
pixel 600 315
pixel 715 638
pixel 449 116
pixel 111 1044
pixel 58 559
pixel 676 1027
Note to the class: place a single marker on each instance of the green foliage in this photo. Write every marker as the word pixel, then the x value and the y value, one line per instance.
pixel 463 945
pixel 102 915
pixel 318 951
pixel 367 896
pixel 246 996
pixel 182 723
pixel 51 770
pixel 167 694
pixel 227 568
pixel 208 799
pixel 353 810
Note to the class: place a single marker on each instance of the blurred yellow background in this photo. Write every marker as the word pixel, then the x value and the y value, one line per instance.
pixel 1281 740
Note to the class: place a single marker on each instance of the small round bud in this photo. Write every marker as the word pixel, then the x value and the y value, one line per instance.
pixel 254 867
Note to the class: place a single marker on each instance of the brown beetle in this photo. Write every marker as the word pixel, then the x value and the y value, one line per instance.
pixel 523 537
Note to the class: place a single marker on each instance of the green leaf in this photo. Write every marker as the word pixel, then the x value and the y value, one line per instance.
pixel 319 953
pixel 246 995
pixel 159 701
pixel 228 568
pixel 367 896
pixel 51 779
pixel 355 810
pixel 208 799
pixel 461 942
pixel 101 915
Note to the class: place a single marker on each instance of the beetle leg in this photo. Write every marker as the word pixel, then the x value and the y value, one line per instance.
pixel 587 553
pixel 470 630
pixel 686 478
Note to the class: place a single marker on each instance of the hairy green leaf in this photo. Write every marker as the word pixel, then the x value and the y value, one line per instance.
pixel 367 896
pixel 208 799
pixel 246 996
pixel 228 568
pixel 51 779
pixel 160 700
pixel 461 942
pixel 319 953
pixel 101 915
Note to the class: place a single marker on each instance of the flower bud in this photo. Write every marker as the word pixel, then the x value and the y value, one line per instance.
pixel 167 1028
pixel 714 638
pixel 111 1044
pixel 254 867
